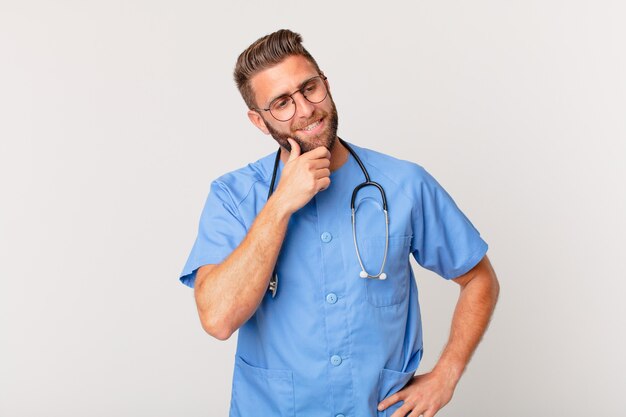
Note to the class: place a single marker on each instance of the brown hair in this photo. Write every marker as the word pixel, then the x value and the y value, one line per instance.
pixel 264 53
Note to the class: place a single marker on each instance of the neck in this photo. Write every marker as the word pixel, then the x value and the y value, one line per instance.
pixel 338 155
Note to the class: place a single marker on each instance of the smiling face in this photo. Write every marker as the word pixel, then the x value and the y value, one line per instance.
pixel 312 125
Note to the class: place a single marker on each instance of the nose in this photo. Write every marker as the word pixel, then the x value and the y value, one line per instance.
pixel 304 108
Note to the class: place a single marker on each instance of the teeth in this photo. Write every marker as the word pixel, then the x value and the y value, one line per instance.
pixel 312 126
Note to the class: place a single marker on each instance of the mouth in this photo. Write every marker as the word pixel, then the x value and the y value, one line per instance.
pixel 313 128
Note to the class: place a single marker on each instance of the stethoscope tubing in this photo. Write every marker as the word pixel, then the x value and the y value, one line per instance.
pixel 273 286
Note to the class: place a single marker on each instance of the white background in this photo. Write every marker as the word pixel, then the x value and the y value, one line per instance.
pixel 116 115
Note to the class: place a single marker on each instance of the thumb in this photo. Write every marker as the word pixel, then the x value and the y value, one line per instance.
pixel 295 150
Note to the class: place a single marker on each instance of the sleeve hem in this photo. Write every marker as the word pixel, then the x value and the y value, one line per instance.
pixel 471 262
pixel 188 276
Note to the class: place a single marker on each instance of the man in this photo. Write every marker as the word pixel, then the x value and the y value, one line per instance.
pixel 339 332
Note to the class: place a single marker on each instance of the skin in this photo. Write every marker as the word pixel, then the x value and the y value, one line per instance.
pixel 228 294
pixel 326 138
pixel 285 78
pixel 426 394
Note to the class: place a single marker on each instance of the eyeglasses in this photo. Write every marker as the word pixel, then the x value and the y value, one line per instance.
pixel 283 108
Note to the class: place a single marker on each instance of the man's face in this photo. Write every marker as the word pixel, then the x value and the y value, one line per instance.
pixel 312 125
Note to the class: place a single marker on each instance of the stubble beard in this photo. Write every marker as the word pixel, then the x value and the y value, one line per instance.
pixel 326 138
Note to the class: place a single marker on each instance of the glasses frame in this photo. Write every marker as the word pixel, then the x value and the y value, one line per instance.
pixel 301 91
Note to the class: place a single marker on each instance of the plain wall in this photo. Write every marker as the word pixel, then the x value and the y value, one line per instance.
pixel 115 116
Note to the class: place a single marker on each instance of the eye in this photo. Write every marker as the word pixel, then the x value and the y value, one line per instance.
pixel 310 87
pixel 281 103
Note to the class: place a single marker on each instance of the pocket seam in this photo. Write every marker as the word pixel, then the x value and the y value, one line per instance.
pixel 264 372
pixel 394 242
pixel 399 375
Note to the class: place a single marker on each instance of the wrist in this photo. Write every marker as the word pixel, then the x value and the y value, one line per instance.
pixel 450 370
pixel 278 207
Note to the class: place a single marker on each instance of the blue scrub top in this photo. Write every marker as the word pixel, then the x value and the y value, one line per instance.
pixel 332 343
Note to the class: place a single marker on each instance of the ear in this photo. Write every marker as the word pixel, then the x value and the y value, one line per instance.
pixel 258 121
pixel 326 81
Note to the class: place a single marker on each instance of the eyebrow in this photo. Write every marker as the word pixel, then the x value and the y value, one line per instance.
pixel 287 94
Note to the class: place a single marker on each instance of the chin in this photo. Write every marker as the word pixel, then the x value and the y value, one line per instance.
pixel 310 144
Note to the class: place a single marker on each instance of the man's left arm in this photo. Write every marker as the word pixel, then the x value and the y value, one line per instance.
pixel 426 394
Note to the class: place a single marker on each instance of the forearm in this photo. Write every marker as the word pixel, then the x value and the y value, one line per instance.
pixel 471 317
pixel 229 293
pixel 426 394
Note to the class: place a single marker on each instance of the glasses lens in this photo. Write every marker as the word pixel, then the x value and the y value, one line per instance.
pixel 283 108
pixel 315 90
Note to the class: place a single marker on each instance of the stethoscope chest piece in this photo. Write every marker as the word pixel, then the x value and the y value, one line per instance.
pixel 273 284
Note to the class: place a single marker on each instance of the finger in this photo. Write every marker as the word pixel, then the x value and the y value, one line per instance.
pixel 391 400
pixel 319 163
pixel 429 413
pixel 323 183
pixel 295 150
pixel 404 411
pixel 419 410
pixel 322 173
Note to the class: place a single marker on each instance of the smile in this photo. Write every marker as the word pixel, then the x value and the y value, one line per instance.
pixel 313 126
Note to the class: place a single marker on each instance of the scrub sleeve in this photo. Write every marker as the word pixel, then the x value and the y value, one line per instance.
pixel 220 231
pixel 444 240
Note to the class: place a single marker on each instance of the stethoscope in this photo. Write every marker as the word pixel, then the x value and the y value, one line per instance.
pixel 273 287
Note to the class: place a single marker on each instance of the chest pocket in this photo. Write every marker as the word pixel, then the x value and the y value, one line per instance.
pixel 394 289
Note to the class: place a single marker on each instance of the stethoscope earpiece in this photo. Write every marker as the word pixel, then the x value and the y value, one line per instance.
pixel 381 277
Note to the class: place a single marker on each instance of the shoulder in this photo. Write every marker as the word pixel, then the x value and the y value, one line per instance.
pixel 409 178
pixel 239 183
pixel 402 172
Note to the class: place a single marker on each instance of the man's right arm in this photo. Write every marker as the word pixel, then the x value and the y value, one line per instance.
pixel 228 294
